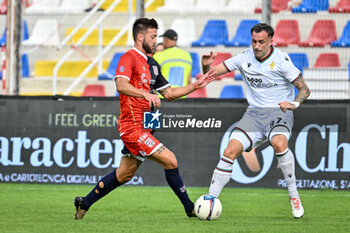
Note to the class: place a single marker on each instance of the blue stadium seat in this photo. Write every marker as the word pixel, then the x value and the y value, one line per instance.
pixel 311 6
pixel 232 92
pixel 243 36
pixel 238 76
pixel 344 39
pixel 195 64
pixel 109 74
pixel 300 60
pixel 25 35
pixel 25 66
pixel 214 33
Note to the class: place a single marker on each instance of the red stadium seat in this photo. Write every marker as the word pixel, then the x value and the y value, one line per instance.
pixel 3 8
pixel 276 6
pixel 327 60
pixel 286 33
pixel 200 93
pixel 94 90
pixel 343 6
pixel 323 32
pixel 220 58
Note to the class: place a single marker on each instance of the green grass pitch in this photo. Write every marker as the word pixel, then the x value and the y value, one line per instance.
pixel 49 209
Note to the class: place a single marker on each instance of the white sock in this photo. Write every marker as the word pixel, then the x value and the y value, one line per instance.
pixel 286 160
pixel 221 176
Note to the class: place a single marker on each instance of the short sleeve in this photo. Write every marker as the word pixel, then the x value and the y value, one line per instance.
pixel 235 62
pixel 289 70
pixel 161 81
pixel 125 66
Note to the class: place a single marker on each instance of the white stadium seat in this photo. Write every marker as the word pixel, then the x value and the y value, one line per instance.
pixel 45 32
pixel 186 31
pixel 43 7
pixel 176 6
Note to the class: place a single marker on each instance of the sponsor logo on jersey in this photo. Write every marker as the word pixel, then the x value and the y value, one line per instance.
pixel 155 70
pixel 258 82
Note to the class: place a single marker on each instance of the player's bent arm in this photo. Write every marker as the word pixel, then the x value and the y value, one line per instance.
pixel 304 91
pixel 124 87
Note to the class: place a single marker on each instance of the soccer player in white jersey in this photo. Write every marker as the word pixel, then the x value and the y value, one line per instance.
pixel 269 76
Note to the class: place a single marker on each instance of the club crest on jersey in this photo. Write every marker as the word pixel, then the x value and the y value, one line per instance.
pixel 272 65
pixel 155 70
pixel 122 69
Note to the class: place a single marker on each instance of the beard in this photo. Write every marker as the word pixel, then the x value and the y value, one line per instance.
pixel 147 47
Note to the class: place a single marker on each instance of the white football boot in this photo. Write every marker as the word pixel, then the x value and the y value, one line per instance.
pixel 297 207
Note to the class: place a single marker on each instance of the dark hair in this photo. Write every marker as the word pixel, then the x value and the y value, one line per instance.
pixel 262 27
pixel 142 24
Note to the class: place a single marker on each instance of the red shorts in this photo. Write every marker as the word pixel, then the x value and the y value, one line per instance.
pixel 140 143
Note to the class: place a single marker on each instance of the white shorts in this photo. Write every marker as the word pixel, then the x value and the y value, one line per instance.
pixel 259 124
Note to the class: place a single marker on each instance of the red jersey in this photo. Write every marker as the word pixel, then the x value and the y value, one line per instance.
pixel 144 74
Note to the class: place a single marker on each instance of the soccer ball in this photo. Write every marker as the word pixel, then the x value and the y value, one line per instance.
pixel 208 207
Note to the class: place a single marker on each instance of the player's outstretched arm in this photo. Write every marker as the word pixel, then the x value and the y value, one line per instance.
pixel 303 94
pixel 172 93
pixel 124 87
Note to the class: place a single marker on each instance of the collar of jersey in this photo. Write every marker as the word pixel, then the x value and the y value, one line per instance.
pixel 268 56
pixel 141 53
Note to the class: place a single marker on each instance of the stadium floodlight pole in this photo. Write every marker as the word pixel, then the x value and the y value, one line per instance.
pixel 10 48
pixel 18 40
pixel 266 12
pixel 140 8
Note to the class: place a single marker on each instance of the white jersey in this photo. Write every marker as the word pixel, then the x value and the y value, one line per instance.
pixel 268 81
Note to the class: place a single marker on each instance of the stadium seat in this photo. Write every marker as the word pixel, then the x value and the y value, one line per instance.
pixel 323 32
pixel 200 93
pixel 238 76
pixel 286 33
pixel 195 64
pixel 214 33
pixel 25 66
pixel 243 36
pixel 206 6
pixel 94 90
pixel 311 6
pixel 73 6
pixel 43 7
pixel 344 39
pixel 276 6
pixel 232 92
pixel 25 34
pixel 220 58
pixel 3 8
pixel 300 60
pixel 186 31
pixel 178 6
pixel 327 60
pixel 109 74
pixel 239 6
pixel 349 70
pixel 44 33
pixel 343 6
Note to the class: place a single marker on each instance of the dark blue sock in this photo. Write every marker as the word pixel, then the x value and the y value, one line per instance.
pixel 177 185
pixel 103 187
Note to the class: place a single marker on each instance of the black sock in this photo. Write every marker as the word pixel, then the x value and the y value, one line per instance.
pixel 177 185
pixel 103 187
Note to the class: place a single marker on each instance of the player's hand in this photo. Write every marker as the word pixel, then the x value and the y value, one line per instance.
pixel 207 59
pixel 205 79
pixel 285 105
pixel 153 100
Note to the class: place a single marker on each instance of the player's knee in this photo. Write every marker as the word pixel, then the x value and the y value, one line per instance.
pixel 279 143
pixel 231 153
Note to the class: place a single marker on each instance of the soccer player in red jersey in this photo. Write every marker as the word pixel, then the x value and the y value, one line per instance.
pixel 138 77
